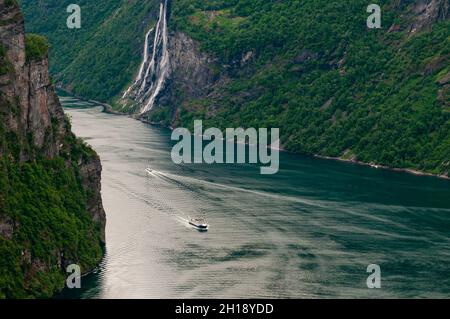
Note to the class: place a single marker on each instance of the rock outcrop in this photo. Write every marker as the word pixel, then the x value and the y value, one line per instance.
pixel 173 68
pixel 192 68
pixel 28 88
pixel 35 131
pixel 192 72
pixel 90 171
pixel 32 108
pixel 428 12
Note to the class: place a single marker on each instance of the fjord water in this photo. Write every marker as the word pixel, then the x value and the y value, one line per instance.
pixel 309 231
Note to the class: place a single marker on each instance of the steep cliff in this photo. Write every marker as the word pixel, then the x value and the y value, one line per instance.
pixel 189 73
pixel 193 73
pixel 51 214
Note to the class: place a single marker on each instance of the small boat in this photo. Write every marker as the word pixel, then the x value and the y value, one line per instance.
pixel 199 223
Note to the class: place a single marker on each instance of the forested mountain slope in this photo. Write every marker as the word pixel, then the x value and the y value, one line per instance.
pixel 311 67
pixel 51 213
pixel 100 58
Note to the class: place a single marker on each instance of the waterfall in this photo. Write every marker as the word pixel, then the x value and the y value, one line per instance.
pixel 144 63
pixel 154 69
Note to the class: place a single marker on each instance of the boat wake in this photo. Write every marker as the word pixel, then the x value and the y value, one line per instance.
pixel 189 193
pixel 176 179
pixel 345 208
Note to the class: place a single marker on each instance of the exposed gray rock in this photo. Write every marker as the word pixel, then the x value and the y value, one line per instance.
pixel 247 57
pixel 91 175
pixel 29 90
pixel 32 111
pixel 6 227
pixel 445 79
pixel 192 69
pixel 305 56
pixel 192 73
pixel 429 12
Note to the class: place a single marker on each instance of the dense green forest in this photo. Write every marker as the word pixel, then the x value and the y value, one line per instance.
pixel 100 58
pixel 47 202
pixel 47 221
pixel 332 86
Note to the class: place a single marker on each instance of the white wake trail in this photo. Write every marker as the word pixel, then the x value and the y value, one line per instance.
pixel 175 178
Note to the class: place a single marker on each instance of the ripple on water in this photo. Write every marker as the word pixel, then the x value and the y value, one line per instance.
pixel 309 231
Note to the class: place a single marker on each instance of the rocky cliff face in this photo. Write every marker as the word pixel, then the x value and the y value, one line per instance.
pixel 173 68
pixel 36 133
pixel 428 12
pixel 90 171
pixel 193 70
pixel 36 111
pixel 32 108
pixel 193 73
pixel 33 104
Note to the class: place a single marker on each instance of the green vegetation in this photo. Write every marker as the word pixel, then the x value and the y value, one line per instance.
pixel 101 58
pixel 45 201
pixel 333 87
pixel 36 47
pixel 45 223
pixel 10 3
pixel 52 227
pixel 4 64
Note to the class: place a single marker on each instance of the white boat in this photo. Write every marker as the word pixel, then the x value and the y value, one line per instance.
pixel 199 223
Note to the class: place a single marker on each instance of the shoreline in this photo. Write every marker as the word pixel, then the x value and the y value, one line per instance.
pixel 409 171
pixel 106 107
pixel 109 110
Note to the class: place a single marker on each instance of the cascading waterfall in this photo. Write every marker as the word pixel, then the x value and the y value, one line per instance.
pixel 154 69
pixel 144 63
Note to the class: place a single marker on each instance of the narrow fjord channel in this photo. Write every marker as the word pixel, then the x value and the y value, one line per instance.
pixel 309 231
